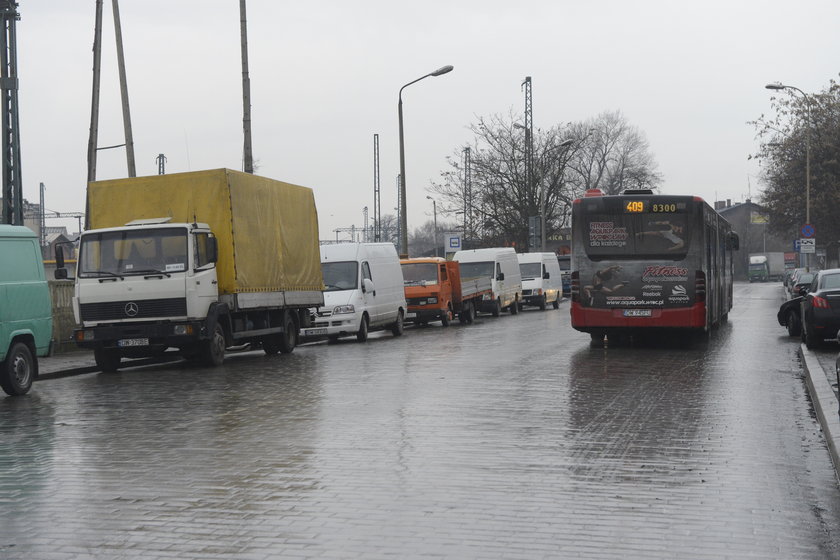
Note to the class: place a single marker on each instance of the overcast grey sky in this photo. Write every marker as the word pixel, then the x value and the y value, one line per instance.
pixel 325 77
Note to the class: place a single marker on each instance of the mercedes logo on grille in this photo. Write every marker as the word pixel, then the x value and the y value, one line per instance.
pixel 131 309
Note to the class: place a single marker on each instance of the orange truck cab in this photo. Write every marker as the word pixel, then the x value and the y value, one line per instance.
pixel 432 290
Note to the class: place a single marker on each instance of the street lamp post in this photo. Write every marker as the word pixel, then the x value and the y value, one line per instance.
pixel 778 87
pixel 403 216
pixel 434 212
pixel 564 144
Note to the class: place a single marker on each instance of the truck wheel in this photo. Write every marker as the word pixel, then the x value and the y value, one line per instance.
pixel 289 336
pixel 271 344
pixel 399 326
pixel 543 303
pixel 213 350
pixel 18 370
pixel 106 359
pixel 514 307
pixel 362 334
pixel 446 318
pixel 497 309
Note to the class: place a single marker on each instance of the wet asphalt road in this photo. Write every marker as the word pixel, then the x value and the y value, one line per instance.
pixel 511 438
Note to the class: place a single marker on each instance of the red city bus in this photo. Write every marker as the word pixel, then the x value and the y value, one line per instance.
pixel 642 262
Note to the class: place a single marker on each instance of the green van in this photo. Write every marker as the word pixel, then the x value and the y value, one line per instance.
pixel 25 309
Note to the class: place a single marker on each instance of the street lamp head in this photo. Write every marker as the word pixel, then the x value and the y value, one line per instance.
pixel 429 197
pixel 566 142
pixel 777 86
pixel 443 70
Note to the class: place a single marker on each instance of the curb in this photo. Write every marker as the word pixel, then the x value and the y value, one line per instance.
pixel 825 403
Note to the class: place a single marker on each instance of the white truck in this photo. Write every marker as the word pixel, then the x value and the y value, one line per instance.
pixel 197 261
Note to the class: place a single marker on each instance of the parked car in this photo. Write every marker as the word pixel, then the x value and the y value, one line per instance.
pixel 815 314
pixel 802 281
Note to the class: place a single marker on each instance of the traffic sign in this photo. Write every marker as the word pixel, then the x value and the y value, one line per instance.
pixel 807 245
pixel 807 231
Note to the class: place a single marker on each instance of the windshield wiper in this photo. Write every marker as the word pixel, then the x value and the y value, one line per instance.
pixel 150 271
pixel 103 273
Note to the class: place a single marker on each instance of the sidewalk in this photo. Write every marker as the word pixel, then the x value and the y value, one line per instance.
pixel 82 361
pixel 818 381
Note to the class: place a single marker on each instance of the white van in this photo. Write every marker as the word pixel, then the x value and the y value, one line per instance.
pixel 363 291
pixel 541 279
pixel 502 267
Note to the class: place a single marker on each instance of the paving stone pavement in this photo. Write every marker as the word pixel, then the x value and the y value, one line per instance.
pixel 510 438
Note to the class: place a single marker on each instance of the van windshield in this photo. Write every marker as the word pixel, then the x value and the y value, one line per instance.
pixel 529 271
pixel 419 274
pixel 478 269
pixel 340 275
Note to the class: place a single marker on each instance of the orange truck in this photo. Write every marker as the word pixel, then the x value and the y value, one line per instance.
pixel 435 291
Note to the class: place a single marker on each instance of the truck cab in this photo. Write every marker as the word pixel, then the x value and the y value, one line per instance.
pixel 429 289
pixel 143 288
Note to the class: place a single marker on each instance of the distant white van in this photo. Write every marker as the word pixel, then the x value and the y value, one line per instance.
pixel 502 267
pixel 363 291
pixel 541 279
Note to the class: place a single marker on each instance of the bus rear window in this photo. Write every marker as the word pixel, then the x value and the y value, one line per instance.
pixel 610 236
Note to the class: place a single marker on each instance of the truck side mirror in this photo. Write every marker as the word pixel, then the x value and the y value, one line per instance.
pixel 367 286
pixel 59 257
pixel 547 275
pixel 60 273
pixel 500 276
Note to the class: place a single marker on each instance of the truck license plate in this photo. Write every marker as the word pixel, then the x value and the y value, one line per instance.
pixel 410 315
pixel 133 342
pixel 637 313
pixel 314 332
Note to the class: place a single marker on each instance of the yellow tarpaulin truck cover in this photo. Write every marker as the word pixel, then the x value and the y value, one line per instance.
pixel 267 230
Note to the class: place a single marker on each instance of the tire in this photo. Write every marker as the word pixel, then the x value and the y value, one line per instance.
pixel 497 309
pixel 289 336
pixel 18 371
pixel 107 360
pixel 556 303
pixel 811 339
pixel 793 326
pixel 446 318
pixel 362 333
pixel 212 353
pixel 543 303
pixel 514 307
pixel 399 327
pixel 271 344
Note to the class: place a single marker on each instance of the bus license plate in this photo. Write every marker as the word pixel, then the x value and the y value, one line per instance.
pixel 637 313
pixel 314 332
pixel 133 342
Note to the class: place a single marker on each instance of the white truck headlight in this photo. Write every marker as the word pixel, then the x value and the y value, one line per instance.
pixel 341 309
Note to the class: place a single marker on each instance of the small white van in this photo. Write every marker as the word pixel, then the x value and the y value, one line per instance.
pixel 541 279
pixel 502 267
pixel 363 291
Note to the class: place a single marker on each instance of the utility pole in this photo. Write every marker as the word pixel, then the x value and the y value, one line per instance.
pixel 248 157
pixel 530 187
pixel 12 182
pixel 377 203
pixel 129 137
pixel 467 190
pixel 161 161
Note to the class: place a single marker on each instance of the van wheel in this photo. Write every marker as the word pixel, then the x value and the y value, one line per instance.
pixel 362 333
pixel 514 307
pixel 556 303
pixel 213 351
pixel 399 326
pixel 497 309
pixel 106 359
pixel 18 370
pixel 543 303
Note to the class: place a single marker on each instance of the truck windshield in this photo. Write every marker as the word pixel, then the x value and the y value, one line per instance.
pixel 478 269
pixel 419 274
pixel 126 252
pixel 529 271
pixel 340 275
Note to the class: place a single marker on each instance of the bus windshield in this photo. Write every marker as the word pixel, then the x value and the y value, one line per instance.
pixel 635 236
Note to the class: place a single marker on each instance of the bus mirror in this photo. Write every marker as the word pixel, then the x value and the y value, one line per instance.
pixel 734 241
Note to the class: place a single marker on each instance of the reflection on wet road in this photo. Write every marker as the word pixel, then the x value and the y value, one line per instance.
pixel 508 438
